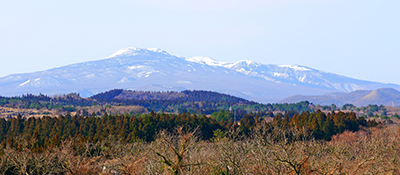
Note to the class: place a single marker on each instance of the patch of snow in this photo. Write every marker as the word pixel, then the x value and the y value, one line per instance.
pixel 127 51
pixel 132 51
pixel 303 79
pixel 123 80
pixel 295 67
pixel 241 63
pixel 230 65
pixel 38 82
pixel 144 74
pixel 255 74
pixel 184 82
pixel 248 62
pixel 135 67
pixel 156 50
pixel 243 71
pixel 90 76
pixel 169 87
pixel 268 79
pixel 205 61
pixel 141 74
pixel 282 75
pixel 26 82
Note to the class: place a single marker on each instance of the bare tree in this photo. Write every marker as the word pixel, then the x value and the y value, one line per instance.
pixel 175 151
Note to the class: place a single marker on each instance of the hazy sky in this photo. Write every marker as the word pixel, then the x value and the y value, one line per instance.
pixel 354 38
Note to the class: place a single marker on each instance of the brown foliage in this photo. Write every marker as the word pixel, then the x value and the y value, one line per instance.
pixel 270 150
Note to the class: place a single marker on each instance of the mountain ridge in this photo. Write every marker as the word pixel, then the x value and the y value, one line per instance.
pixel 143 69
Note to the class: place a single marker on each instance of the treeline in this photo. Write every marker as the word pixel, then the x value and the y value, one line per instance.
pixel 300 107
pixel 324 126
pixel 62 102
pixel 368 110
pixel 50 132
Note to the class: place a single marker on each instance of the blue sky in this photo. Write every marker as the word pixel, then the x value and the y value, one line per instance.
pixel 354 38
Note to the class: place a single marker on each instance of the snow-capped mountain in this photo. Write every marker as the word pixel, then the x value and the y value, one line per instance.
pixel 157 70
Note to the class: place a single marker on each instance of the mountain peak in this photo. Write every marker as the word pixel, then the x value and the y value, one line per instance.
pixel 132 51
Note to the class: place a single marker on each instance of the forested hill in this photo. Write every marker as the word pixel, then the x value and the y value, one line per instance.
pixel 197 101
pixel 189 96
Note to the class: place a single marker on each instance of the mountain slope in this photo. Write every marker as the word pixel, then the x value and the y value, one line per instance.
pixel 156 70
pixel 383 96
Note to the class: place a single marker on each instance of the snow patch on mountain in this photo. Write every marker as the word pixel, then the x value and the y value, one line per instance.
pixel 135 67
pixel 184 82
pixel 90 76
pixel 205 61
pixel 24 83
pixel 281 75
pixel 133 51
pixel 123 80
pixel 243 71
pixel 242 64
pixel 303 79
pixel 40 83
pixel 124 52
pixel 295 67
pixel 157 50
pixel 145 74
pixel 126 80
